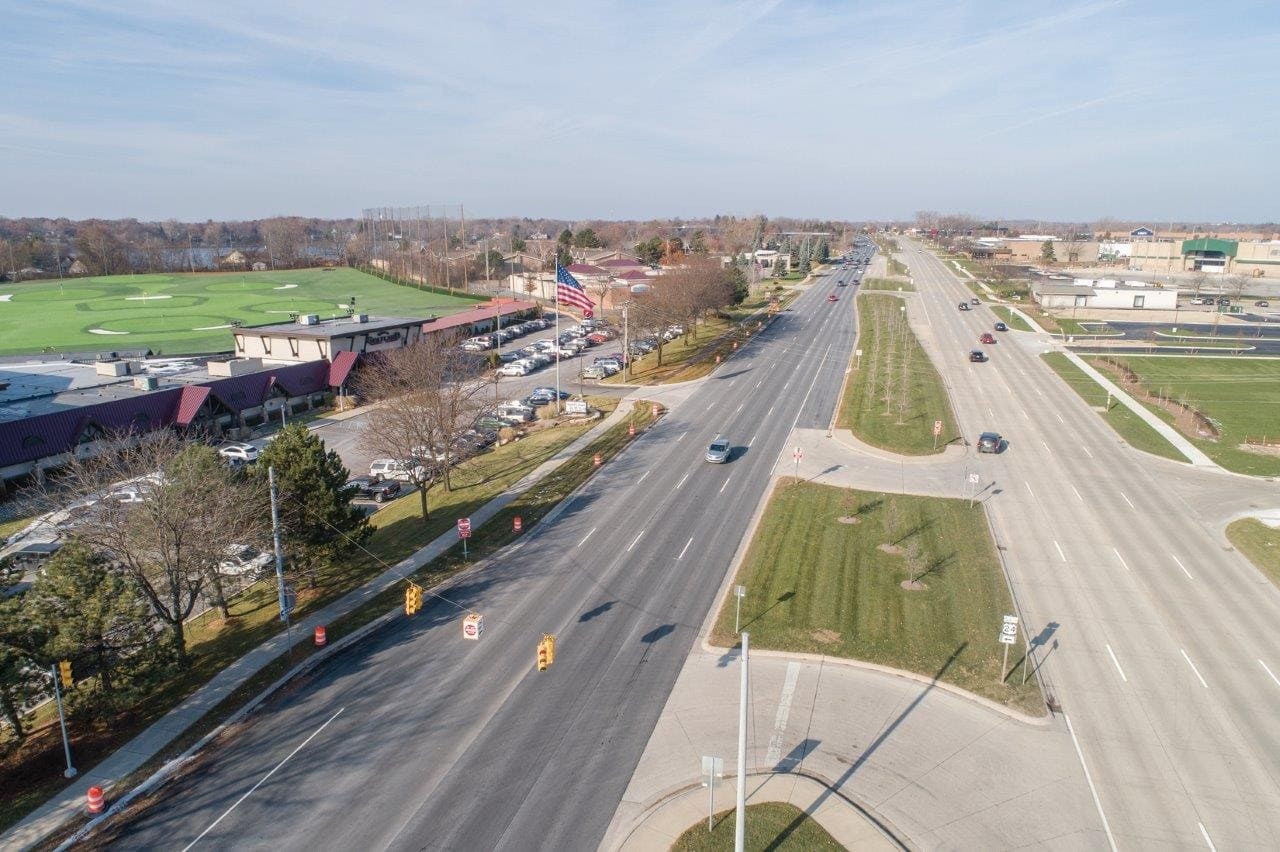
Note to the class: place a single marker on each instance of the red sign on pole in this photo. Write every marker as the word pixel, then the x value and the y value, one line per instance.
pixel 937 427
pixel 464 528
pixel 798 454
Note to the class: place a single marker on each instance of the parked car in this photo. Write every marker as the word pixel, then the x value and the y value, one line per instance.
pixel 977 355
pixel 515 412
pixel 990 442
pixel 403 470
pixel 374 488
pixel 244 559
pixel 550 392
pixel 964 306
pixel 975 301
pixel 239 451
pixel 595 371
pixel 1001 327
pixel 718 452
pixel 515 368
pixel 1224 301
pixel 987 337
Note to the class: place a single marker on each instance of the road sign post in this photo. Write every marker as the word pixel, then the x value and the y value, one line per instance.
pixel 70 771
pixel 937 430
pixel 464 533
pixel 713 768
pixel 973 484
pixel 1008 635
pixel 797 455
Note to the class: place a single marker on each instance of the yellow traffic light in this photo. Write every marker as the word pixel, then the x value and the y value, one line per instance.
pixel 544 655
pixel 412 599
pixel 64 671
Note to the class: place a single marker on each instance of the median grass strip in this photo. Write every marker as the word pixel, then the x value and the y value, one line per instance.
pixel 1259 543
pixel 31 772
pixel 888 284
pixel 1129 426
pixel 909 582
pixel 894 394
pixel 770 826
pixel 1239 396
pixel 1011 318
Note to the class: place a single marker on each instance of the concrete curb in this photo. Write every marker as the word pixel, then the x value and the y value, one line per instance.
pixel 722 597
pixel 659 807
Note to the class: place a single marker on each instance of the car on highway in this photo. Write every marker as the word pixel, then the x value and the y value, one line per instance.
pixel 977 355
pixel 987 337
pixel 975 301
pixel 990 442
pixel 718 452
pixel 238 451
pixel 1001 327
pixel 1262 303
pixel 833 298
pixel 964 306
pixel 373 488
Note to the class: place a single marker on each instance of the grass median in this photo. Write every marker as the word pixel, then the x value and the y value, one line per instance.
pixel 913 583
pixel 31 772
pixel 770 826
pixel 894 394
pixel 1259 543
pixel 1240 397
pixel 887 284
pixel 1129 426
pixel 1012 318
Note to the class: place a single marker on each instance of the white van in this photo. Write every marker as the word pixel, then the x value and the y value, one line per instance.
pixel 514 412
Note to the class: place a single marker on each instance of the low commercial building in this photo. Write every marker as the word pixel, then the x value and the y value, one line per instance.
pixel 1212 255
pixel 1104 293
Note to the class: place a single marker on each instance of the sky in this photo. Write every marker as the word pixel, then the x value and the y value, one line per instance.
pixel 1062 110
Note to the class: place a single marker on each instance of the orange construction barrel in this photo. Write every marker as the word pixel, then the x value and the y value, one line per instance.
pixel 516 524
pixel 631 430
pixel 599 459
pixel 320 637
pixel 96 800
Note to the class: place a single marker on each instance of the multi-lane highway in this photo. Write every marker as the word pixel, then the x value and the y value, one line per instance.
pixel 1161 644
pixel 419 739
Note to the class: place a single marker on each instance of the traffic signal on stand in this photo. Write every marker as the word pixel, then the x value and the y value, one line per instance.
pixel 546 651
pixel 412 599
pixel 64 672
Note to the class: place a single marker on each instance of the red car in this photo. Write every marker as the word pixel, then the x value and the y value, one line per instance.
pixel 988 337
pixel 833 298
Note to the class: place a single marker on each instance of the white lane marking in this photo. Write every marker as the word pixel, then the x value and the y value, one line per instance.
pixel 1268 671
pixel 774 754
pixel 992 413
pixel 770 411
pixel 1183 567
pixel 263 780
pixel 726 483
pixel 1205 835
pixel 731 381
pixel 1059 416
pixel 1029 491
pixel 711 406
pixel 1043 444
pixel 759 383
pixel 739 408
pixel 1121 558
pixel 1097 803
pixel 682 479
pixel 1127 500
pixel 752 441
pixel 585 537
pixel 1086 451
pixel 1062 555
pixel 1024 414
pixel 1117 662
pixel 686 547
pixel 682 434
pixel 787 385
pixel 1194 669
pixel 634 540
pixel 1077 493
pixel 641 479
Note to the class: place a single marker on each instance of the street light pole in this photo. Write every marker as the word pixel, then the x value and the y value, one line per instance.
pixel 626 350
pixel 740 824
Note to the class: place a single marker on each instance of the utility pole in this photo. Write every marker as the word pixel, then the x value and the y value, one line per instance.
pixel 626 350
pixel 740 820
pixel 70 771
pixel 279 553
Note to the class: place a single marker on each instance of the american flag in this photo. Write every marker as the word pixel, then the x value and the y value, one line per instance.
pixel 570 292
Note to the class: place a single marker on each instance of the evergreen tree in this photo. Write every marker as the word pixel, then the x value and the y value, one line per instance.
pixel 738 283
pixel 319 522
pixel 698 242
pixel 566 237
pixel 22 670
pixel 586 238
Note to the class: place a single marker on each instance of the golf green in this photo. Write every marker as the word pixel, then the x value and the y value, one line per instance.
pixel 184 313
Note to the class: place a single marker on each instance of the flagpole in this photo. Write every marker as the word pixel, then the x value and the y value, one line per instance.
pixel 556 302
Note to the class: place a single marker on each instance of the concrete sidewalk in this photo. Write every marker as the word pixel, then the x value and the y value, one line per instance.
pixel 127 759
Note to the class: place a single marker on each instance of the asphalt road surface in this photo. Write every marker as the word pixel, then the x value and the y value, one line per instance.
pixel 419 739
pixel 1160 643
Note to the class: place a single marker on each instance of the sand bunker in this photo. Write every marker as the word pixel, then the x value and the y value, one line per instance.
pixel 285 287
pixel 105 331
pixel 6 297
pixel 212 327
pixel 143 299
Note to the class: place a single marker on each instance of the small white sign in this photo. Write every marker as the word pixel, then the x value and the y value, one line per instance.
pixel 974 478
pixel 576 406
pixel 798 454
pixel 713 766
pixel 1009 630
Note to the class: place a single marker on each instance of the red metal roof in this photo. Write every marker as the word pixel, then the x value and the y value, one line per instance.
pixel 620 263
pixel 475 315
pixel 585 269
pixel 193 396
pixel 341 368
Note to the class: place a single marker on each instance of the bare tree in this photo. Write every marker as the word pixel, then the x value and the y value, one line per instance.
pixel 428 392
pixel 166 512
pixel 283 239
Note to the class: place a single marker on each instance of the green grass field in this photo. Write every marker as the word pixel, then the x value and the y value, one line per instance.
pixel 771 827
pixel 819 585
pixel 887 284
pixel 1240 395
pixel 1259 543
pixel 179 314
pixel 894 393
